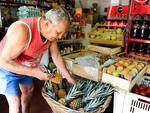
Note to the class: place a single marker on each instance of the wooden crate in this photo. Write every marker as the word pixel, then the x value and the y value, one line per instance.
pixel 90 73
pixel 140 58
pixel 106 42
pixel 104 50
pixel 69 59
pixel 121 83
pixel 148 69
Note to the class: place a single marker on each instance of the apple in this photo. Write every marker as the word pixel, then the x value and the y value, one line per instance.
pixel 127 63
pixel 112 67
pixel 126 70
pixel 131 66
pixel 115 74
pixel 133 73
pixel 138 68
pixel 92 36
pixel 119 31
pixel 142 65
pixel 113 38
pixel 135 70
pixel 121 61
pixel 107 38
pixel 120 68
pixel 109 72
pixel 118 64
pixel 135 62
pixel 100 31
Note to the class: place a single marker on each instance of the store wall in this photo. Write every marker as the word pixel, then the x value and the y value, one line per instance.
pixel 102 4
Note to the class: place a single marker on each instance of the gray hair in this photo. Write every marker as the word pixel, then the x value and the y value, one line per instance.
pixel 56 15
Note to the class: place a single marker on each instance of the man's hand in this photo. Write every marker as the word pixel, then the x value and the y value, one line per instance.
pixel 39 73
pixel 71 80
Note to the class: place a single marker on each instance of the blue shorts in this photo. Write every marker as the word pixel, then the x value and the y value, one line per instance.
pixel 9 82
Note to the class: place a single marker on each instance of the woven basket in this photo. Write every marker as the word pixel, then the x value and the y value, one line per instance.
pixel 59 108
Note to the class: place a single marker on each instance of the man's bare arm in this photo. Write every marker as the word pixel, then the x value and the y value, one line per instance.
pixel 59 62
pixel 16 43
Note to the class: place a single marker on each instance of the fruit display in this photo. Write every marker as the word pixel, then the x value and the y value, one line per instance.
pixel 106 34
pixel 85 95
pixel 143 88
pixel 125 68
pixel 135 57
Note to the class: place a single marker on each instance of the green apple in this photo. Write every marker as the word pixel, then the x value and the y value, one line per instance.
pixel 113 38
pixel 115 74
pixel 120 68
pixel 112 67
pixel 107 38
pixel 92 36
pixel 119 31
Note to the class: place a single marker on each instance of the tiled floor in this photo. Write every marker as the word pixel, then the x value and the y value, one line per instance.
pixel 38 104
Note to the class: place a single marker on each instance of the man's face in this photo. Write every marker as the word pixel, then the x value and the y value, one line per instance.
pixel 55 32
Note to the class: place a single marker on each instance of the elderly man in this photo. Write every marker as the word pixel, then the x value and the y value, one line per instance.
pixel 20 53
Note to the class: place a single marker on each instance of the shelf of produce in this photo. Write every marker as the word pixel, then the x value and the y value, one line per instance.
pixel 106 42
pixel 118 26
pixel 138 40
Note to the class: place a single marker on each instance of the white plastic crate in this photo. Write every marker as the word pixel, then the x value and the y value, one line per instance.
pixel 130 103
pixel 136 104
pixel 126 102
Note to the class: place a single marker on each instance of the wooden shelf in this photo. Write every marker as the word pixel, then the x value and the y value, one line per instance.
pixel 106 42
pixel 71 52
pixel 119 26
pixel 71 40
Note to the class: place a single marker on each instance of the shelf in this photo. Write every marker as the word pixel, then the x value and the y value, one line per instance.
pixel 107 42
pixel 71 52
pixel 16 4
pixel 120 26
pixel 138 40
pixel 71 40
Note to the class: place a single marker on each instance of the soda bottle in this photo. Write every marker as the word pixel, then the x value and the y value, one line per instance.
pixel 148 37
pixel 132 48
pixel 140 50
pixel 135 31
pixel 144 30
pixel 147 51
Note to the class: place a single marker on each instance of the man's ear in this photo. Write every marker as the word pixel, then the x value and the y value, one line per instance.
pixel 47 22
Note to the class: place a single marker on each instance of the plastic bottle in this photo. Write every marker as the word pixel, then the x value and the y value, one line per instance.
pixel 144 30
pixel 135 31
